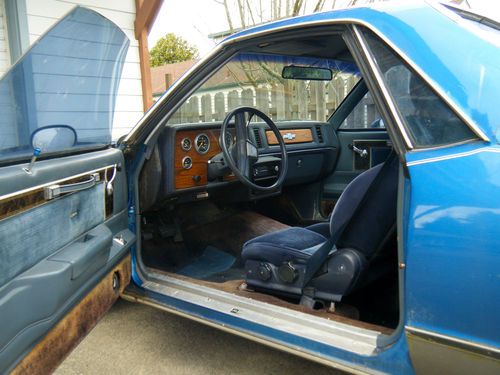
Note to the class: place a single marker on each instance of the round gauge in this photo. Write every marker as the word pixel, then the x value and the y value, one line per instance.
pixel 186 144
pixel 228 138
pixel 187 162
pixel 202 143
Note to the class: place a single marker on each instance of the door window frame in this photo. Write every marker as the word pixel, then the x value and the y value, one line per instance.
pixel 378 82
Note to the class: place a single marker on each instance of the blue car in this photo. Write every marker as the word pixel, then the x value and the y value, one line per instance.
pixel 327 185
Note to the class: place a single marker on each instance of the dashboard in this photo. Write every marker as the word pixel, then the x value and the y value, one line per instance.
pixel 185 151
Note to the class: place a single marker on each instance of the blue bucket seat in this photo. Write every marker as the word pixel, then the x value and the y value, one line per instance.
pixel 327 261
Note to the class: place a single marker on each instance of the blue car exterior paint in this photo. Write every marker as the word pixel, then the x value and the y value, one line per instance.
pixel 453 244
pixel 451 213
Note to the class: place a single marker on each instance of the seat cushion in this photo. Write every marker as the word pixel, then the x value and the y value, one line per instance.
pixel 321 228
pixel 282 246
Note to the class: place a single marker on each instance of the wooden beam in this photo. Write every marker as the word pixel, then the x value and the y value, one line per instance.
pixel 146 12
pixel 147 89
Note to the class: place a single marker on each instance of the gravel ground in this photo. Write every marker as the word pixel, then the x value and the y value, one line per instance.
pixel 138 339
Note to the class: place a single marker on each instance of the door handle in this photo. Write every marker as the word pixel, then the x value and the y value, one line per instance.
pixel 53 191
pixel 363 153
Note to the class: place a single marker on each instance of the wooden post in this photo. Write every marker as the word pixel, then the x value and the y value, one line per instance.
pixel 147 89
pixel 278 101
pixel 206 107
pixel 247 97
pixel 233 100
pixel 288 97
pixel 145 14
pixel 301 98
pixel 219 107
pixel 320 101
pixel 262 99
pixel 194 110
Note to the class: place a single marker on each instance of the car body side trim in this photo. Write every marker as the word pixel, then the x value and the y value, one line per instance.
pixel 453 156
pixel 470 346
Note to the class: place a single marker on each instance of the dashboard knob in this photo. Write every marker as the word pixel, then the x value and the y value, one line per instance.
pixel 196 178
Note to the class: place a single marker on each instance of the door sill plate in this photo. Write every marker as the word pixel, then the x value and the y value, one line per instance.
pixel 358 340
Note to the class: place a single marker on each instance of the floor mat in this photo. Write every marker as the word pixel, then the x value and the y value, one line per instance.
pixel 211 262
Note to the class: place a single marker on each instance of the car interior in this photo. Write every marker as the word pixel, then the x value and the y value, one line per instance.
pixel 276 181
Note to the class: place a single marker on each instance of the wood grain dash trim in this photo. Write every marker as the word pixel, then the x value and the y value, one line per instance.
pixel 299 136
pixel 187 178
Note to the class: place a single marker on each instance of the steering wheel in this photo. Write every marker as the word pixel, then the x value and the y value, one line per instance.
pixel 245 152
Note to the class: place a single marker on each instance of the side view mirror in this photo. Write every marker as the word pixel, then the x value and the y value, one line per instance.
pixel 50 138
pixel 53 138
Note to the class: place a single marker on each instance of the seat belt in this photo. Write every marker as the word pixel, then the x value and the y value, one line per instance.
pixel 321 255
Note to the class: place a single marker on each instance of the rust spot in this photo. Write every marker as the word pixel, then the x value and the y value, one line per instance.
pixel 67 334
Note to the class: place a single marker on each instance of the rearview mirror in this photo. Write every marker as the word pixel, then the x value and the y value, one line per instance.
pixel 53 138
pixel 309 73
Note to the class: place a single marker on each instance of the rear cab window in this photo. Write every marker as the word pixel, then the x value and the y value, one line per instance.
pixel 66 83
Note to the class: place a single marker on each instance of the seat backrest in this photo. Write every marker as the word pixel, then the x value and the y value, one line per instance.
pixel 366 211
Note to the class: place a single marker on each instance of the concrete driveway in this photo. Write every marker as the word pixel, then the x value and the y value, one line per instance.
pixel 137 339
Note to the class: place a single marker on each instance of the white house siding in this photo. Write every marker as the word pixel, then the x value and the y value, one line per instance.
pixel 129 108
pixel 4 46
pixel 8 134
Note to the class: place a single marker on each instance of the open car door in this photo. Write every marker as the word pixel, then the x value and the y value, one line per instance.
pixel 64 241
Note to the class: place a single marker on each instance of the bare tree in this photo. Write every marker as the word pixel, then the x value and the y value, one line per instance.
pixel 250 12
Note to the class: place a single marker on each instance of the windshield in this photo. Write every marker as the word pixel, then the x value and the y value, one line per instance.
pixel 256 80
pixel 69 77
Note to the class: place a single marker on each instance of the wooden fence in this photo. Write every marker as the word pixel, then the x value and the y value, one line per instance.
pixel 294 100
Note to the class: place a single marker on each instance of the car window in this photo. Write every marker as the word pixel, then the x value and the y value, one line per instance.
pixel 363 116
pixel 67 80
pixel 256 80
pixel 428 120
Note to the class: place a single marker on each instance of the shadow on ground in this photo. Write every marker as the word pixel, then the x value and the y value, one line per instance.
pixel 138 339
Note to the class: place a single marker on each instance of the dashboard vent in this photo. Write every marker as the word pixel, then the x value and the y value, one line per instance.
pixel 319 134
pixel 258 139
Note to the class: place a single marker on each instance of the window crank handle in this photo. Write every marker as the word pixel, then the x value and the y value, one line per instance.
pixel 361 152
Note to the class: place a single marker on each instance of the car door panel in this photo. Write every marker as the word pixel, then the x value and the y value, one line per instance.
pixel 53 251
pixel 350 164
